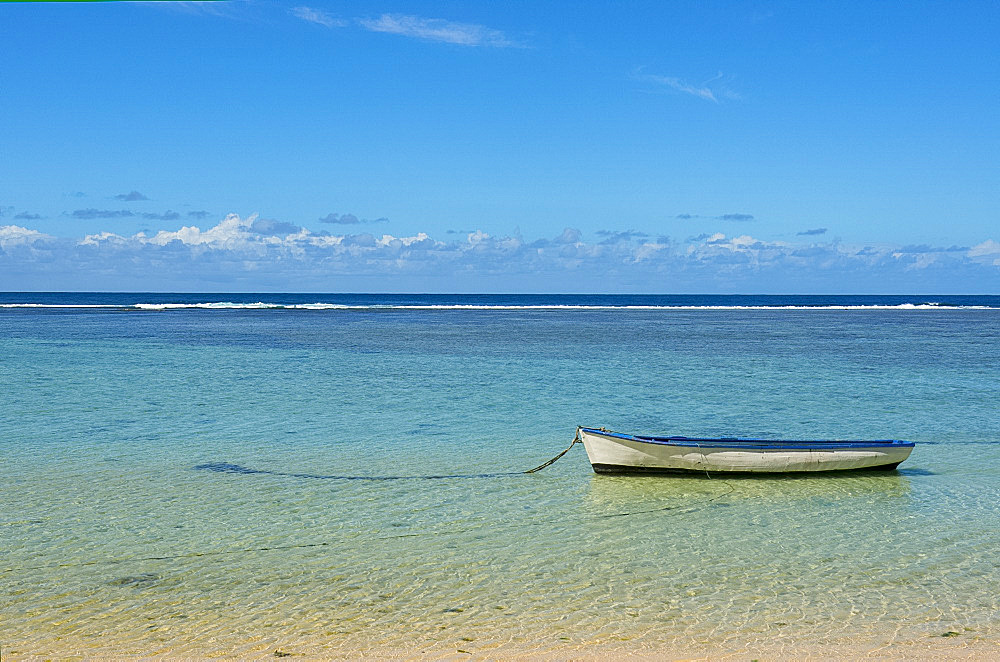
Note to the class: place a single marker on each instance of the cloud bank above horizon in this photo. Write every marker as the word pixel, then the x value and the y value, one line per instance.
pixel 250 253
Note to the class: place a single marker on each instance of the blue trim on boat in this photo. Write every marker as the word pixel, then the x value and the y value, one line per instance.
pixel 756 444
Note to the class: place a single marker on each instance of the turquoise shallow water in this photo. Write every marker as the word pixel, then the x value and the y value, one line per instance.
pixel 113 542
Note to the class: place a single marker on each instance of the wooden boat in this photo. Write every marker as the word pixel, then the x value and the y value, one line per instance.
pixel 613 452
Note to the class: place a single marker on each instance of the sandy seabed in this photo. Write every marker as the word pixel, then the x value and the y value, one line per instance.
pixel 955 647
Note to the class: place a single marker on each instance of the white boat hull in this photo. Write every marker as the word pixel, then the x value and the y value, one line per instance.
pixel 611 452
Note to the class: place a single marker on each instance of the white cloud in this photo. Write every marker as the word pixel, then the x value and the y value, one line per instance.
pixel 237 235
pixel 105 238
pixel 201 7
pixel 477 237
pixel 650 250
pixel 15 235
pixel 317 16
pixel 436 29
pixel 232 233
pixel 687 88
pixel 989 249
pixel 569 236
pixel 388 239
pixel 710 90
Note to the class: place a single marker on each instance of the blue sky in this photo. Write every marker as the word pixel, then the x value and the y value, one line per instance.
pixel 517 146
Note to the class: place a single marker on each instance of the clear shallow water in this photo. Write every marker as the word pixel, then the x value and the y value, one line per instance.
pixel 111 541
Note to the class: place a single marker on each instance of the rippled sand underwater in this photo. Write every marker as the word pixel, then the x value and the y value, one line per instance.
pixel 114 543
pixel 606 562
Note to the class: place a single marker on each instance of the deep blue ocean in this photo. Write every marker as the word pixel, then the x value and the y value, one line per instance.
pixel 335 475
pixel 128 299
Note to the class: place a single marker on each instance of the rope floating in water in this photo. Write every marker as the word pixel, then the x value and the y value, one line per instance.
pixel 576 440
pixel 230 468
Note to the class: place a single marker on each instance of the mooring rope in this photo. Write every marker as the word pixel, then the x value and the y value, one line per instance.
pixel 576 440
pixel 230 468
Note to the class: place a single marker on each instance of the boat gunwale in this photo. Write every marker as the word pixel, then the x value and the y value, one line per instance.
pixel 753 444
